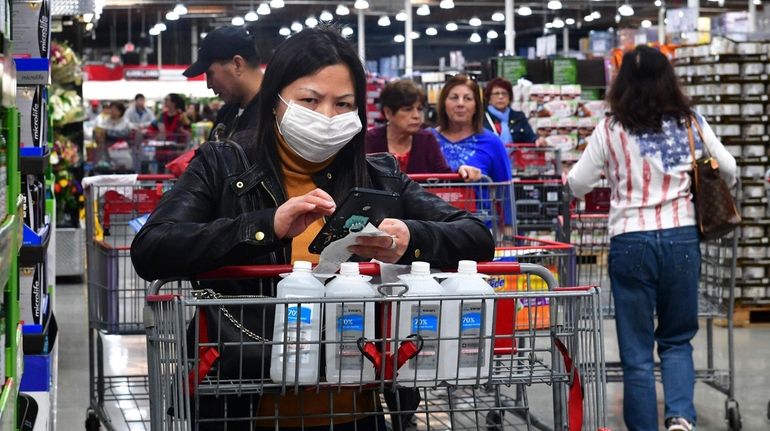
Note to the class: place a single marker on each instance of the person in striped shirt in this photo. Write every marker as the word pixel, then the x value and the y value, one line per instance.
pixel 642 149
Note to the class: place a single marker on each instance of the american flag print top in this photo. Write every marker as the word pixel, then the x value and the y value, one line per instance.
pixel 648 174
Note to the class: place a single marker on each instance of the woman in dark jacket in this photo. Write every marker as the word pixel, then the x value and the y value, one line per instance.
pixel 510 125
pixel 263 199
pixel 416 149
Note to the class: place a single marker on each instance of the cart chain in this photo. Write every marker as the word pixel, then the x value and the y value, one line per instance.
pixel 210 294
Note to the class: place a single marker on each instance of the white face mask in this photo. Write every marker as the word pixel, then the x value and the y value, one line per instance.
pixel 314 136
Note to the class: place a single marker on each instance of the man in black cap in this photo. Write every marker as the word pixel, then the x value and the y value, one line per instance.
pixel 230 59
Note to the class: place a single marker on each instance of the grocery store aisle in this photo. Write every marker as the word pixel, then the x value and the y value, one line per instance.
pixel 752 351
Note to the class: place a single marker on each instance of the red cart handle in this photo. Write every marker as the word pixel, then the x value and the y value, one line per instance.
pixel 155 177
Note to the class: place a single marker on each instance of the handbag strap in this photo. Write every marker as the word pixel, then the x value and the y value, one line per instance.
pixel 691 141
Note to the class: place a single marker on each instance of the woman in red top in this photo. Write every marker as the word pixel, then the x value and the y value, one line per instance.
pixel 173 124
pixel 416 150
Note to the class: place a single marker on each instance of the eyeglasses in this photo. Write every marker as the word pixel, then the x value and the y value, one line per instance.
pixel 499 93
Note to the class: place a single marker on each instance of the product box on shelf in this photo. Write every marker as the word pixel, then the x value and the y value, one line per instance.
pixel 33 294
pixel 31 28
pixel 33 108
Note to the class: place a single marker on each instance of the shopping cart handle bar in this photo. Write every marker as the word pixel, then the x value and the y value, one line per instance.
pixel 155 177
pixel 422 178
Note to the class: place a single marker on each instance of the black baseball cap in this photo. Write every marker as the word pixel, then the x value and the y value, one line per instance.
pixel 220 44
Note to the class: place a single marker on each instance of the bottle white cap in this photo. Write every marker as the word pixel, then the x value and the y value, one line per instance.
pixel 420 268
pixel 302 266
pixel 349 268
pixel 466 267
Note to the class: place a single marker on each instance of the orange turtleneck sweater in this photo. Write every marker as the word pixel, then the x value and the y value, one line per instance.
pixel 314 408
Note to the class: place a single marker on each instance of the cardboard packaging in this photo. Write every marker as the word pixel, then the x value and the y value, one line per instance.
pixel 31 28
pixel 33 108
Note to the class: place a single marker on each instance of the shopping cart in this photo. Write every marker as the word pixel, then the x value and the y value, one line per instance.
pixel 541 207
pixel 529 160
pixel 116 207
pixel 568 356
pixel 490 201
pixel 156 150
pixel 589 235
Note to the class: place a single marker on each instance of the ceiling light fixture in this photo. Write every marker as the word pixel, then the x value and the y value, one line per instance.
pixel 414 35
pixel 554 5
pixel 238 21
pixel 646 23
pixel 161 26
pixel 384 21
pixel 423 10
pixel 498 17
pixel 525 11
pixel 311 22
pixel 401 16
pixel 450 26
pixel 475 21
pixel 658 3
pixel 431 31
pixel 475 38
pixel 558 23
pixel 549 25
pixel 347 31
pixel 276 4
pixel 570 21
pixel 491 34
pixel 284 31
pixel 596 15
pixel 326 16
pixel 203 35
pixel 446 4
pixel 399 38
pixel 342 10
pixel 263 9
pixel 153 31
pixel 251 16
pixel 172 16
pixel 296 27
pixel 625 10
pixel 588 18
pixel 180 9
pixel 361 4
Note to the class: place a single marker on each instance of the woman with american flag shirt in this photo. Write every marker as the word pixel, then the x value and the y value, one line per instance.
pixel 654 260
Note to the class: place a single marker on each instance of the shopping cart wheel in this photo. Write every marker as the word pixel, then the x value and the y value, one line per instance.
pixel 494 421
pixel 733 414
pixel 92 421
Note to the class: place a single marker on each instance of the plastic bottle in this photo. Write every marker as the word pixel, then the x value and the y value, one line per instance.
pixel 467 327
pixel 423 318
pixel 301 361
pixel 346 322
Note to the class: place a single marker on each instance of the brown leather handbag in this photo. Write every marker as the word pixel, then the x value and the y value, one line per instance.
pixel 715 209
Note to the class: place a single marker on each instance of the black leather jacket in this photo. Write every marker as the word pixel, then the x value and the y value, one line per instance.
pixel 221 211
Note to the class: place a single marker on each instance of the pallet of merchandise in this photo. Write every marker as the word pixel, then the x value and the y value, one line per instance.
pixel 750 313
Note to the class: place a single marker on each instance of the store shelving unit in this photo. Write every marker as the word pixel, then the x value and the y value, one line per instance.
pixel 728 84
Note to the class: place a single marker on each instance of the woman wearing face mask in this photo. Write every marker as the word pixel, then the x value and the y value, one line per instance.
pixel 263 201
pixel 416 150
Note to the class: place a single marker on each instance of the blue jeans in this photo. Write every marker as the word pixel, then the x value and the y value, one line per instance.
pixel 656 271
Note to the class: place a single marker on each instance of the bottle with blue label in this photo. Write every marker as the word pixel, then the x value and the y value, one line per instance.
pixel 296 334
pixel 346 323
pixel 420 317
pixel 467 327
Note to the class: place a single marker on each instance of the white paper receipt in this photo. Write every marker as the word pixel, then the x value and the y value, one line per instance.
pixel 337 252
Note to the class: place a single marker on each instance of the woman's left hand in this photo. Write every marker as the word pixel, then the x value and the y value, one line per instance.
pixel 388 249
pixel 469 173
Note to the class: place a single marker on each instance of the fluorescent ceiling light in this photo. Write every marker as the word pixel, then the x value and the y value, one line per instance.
pixel 296 27
pixel 658 3
pixel 172 16
pixel 284 31
pixel 554 5
pixel 263 9
pixel 276 4
pixel 342 10
pixel 160 26
pixel 153 31
pixel 401 16
pixel 558 23
pixel 414 35
pixel 446 4
pixel 596 15
pixel 423 10
pixel 361 4
pixel 491 34
pixel 450 26
pixel 238 21
pixel 525 11
pixel 347 31
pixel 326 16
pixel 431 31
pixel 311 22
pixel 384 21
pixel 203 35
pixel 569 21
pixel 625 10
pixel 251 16
pixel 646 23
pixel 475 38
pixel 549 25
pixel 475 21
pixel 180 9
pixel 498 17
pixel 399 38
pixel 588 18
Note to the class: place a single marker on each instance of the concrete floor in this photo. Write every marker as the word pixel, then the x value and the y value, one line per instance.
pixel 126 355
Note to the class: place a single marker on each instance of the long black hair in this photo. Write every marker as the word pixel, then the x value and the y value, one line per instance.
pixel 304 54
pixel 645 89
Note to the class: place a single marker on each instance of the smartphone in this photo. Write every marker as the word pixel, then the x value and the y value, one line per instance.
pixel 360 207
